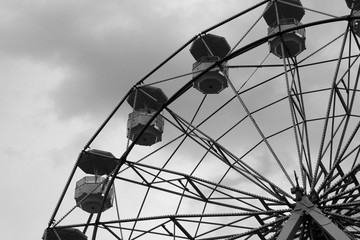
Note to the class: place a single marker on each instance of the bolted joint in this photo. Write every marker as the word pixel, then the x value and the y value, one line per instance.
pixel 299 193
pixel 314 197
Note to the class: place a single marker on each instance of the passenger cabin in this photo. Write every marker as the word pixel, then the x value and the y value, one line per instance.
pixel 207 50
pixel 145 101
pixel 89 194
pixel 97 162
pixel 63 233
pixel 354 5
pixel 282 16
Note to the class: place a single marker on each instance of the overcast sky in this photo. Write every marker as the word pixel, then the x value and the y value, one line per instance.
pixel 64 65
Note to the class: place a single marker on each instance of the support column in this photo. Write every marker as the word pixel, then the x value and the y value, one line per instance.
pixel 305 206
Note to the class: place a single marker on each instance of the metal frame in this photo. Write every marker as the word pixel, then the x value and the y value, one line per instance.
pixel 330 197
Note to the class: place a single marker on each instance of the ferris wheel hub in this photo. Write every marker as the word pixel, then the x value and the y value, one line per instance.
pixel 305 209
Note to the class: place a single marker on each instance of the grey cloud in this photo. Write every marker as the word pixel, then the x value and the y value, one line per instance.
pixel 103 49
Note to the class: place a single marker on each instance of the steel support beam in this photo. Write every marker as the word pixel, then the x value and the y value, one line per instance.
pixel 292 224
pixel 305 206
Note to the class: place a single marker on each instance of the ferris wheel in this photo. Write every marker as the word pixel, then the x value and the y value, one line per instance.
pixel 250 135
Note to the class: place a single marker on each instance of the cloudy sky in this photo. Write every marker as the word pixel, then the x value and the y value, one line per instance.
pixel 64 65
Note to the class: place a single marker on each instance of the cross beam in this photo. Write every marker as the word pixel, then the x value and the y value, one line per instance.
pixel 305 206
